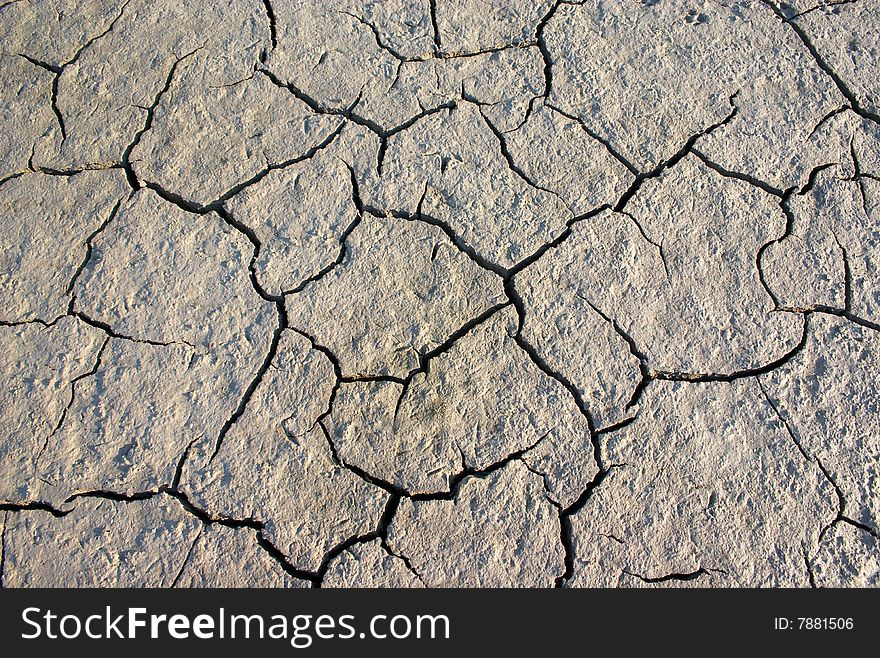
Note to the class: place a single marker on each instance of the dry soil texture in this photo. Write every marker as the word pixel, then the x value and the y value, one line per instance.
pixel 440 293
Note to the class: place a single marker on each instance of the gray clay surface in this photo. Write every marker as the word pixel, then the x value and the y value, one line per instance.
pixel 414 293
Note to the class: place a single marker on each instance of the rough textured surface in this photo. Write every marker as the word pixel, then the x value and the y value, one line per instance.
pixel 107 543
pixel 274 465
pixel 707 483
pixel 407 293
pixel 843 37
pixel 830 407
pixel 370 565
pixel 498 531
pixel 50 222
pixel 402 290
pixel 830 257
pixel 25 112
pixel 133 544
pixel 649 79
pixel 478 403
pixel 847 557
pixel 41 368
pixel 450 167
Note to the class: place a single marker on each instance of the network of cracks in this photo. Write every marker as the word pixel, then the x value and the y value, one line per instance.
pixel 440 293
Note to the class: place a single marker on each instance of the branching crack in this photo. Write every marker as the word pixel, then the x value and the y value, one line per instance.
pixel 58 69
pixel 73 382
pixel 845 91
pixel 148 122
pixel 677 157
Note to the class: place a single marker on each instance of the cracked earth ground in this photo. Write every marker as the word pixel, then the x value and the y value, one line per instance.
pixel 440 293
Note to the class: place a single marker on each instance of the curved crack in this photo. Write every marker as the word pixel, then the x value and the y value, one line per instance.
pixel 844 90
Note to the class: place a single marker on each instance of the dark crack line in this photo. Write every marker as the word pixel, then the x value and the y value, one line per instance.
pixel 58 69
pixel 677 157
pixel 31 506
pixel 327 269
pixel 107 329
pixel 24 323
pixel 459 243
pixel 220 209
pixel 381 533
pixel 316 578
pixel 565 529
pixel 613 152
pixel 847 277
pixel 528 115
pixel 256 178
pixel 644 370
pixel 666 375
pixel 830 310
pixel 10 177
pixel 335 364
pixel 541 40
pixel 840 516
pixel 827 118
pixel 349 114
pixel 544 367
pixel 811 181
pixel 97 37
pixel 377 37
pixel 553 244
pixel 403 558
pixel 787 231
pixel 186 559
pixel 845 91
pixel 680 577
pixel 785 206
pixel 73 382
pixel 148 123
pixel 811 577
pixel 841 512
pixel 789 430
pixel 456 480
pixel 53 99
pixel 454 483
pixel 255 382
pixel 424 368
pixel 281 560
pixel 746 178
pixel 425 358
pixel 657 245
pixel 343 238
pixel 68 173
pixel 508 158
pixel 386 486
pixel 200 514
pixel 619 425
pixel 859 176
pixel 315 106
pixel 273 29
pixel 435 30
pixel 89 247
pixel 438 53
pixel 821 5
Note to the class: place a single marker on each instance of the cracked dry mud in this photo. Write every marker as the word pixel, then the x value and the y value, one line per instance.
pixel 426 293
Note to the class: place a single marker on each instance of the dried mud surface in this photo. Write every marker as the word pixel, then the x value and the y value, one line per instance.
pixel 427 293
